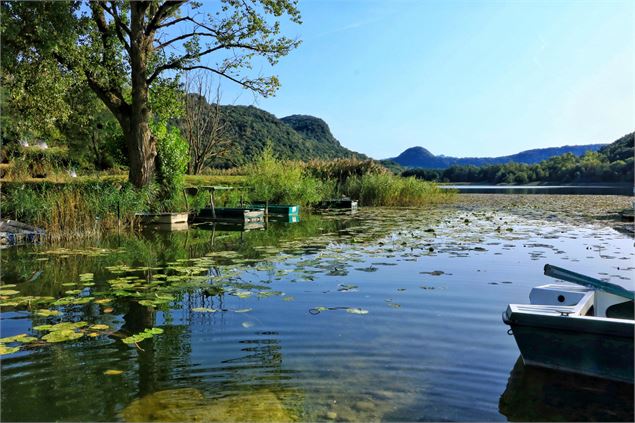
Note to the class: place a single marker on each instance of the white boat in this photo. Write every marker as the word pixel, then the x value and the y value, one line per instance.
pixel 585 328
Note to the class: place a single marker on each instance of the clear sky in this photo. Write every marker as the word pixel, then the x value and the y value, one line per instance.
pixel 460 78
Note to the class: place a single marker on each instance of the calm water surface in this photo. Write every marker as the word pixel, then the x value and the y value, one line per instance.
pixel 382 315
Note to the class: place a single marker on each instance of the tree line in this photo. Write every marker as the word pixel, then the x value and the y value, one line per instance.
pixel 613 163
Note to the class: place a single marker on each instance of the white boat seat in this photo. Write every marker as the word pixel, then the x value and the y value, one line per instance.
pixel 580 309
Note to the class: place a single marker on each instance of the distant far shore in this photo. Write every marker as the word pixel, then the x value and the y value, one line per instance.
pixel 546 184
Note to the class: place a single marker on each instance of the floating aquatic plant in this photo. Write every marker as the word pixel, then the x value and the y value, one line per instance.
pixel 147 333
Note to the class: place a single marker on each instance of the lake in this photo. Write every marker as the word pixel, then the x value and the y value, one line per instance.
pixel 385 314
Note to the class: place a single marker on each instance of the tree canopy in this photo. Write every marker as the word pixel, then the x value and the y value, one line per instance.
pixel 126 52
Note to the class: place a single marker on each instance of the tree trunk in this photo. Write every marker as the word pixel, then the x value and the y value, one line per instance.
pixel 141 144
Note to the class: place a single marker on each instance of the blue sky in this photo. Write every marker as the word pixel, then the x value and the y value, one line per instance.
pixel 460 78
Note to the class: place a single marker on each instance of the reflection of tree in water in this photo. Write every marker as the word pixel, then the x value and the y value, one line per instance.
pixel 67 381
pixel 537 394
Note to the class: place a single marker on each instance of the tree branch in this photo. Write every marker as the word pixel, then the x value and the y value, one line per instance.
pixel 177 64
pixel 182 37
pixel 162 12
pixel 119 25
pixel 245 84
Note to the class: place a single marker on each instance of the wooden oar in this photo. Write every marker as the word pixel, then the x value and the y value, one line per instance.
pixel 569 276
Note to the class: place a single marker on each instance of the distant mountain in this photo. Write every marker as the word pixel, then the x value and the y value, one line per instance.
pixel 297 137
pixel 420 157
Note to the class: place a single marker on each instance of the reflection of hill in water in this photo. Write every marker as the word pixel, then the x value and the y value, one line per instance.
pixel 536 394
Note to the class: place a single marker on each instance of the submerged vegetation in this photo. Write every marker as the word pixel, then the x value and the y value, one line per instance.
pixel 230 315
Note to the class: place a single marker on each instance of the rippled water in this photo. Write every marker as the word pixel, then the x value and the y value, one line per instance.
pixel 382 315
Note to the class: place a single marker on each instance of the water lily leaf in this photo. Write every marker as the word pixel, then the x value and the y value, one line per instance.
pixel 204 310
pixel 147 333
pixel 8 350
pixel 99 327
pixel 242 310
pixel 62 335
pixel 356 310
pixel 103 301
pixel 23 337
pixel 288 298
pixel 247 324
pixel 113 372
pixel 47 313
pixel 61 326
pixel 9 292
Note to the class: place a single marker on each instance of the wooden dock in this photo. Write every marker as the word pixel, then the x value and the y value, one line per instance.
pixel 163 221
pixel 230 214
pixel 338 204
pixel 278 209
pixel 291 218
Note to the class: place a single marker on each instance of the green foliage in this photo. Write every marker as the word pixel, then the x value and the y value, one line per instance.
pixel 74 210
pixel 621 149
pixel 282 182
pixel 172 156
pixel 613 163
pixel 340 170
pixel 248 129
pixel 386 189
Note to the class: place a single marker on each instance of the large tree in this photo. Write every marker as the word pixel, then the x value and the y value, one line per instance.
pixel 122 49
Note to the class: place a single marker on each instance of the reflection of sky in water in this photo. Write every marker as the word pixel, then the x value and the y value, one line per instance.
pixel 432 345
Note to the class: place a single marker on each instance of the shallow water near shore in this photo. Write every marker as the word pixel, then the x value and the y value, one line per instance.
pixel 385 314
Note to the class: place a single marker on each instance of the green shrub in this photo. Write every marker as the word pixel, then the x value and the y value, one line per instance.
pixel 339 170
pixel 387 189
pixel 74 210
pixel 172 152
pixel 277 181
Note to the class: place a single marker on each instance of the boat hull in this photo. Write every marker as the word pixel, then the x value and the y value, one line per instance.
pixel 601 348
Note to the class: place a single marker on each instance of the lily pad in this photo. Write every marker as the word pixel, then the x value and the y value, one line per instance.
pixel 47 313
pixel 8 350
pixel 147 333
pixel 62 335
pixel 113 372
pixel 23 338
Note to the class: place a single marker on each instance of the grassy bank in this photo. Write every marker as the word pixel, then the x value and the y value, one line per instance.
pixel 85 206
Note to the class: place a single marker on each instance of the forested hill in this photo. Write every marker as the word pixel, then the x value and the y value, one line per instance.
pixel 292 137
pixel 612 163
pixel 420 157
